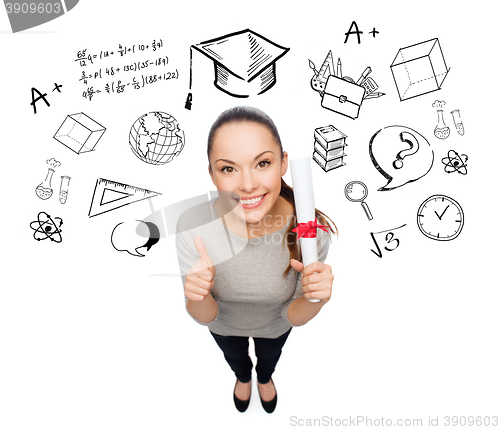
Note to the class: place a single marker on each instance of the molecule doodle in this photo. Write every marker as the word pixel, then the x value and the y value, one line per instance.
pixel 454 163
pixel 47 228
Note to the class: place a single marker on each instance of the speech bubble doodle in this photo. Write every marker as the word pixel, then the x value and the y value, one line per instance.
pixel 401 155
pixel 130 236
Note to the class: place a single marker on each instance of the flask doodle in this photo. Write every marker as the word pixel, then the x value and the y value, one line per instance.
pixel 401 154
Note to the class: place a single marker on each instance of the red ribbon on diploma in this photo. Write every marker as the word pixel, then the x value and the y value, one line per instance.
pixel 308 229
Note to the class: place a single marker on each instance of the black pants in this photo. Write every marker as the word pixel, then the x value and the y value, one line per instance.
pixel 267 351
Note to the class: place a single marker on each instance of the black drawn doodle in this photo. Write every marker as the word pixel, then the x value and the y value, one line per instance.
pixel 440 217
pixel 358 32
pixel 392 242
pixel 63 189
pixel 46 227
pixel 438 104
pixel 455 163
pixel 357 191
pixel 244 62
pixel 110 195
pixel 441 131
pixel 79 133
pixel 329 144
pixel 143 66
pixel 44 190
pixel 401 155
pixel 156 138
pixel 340 93
pixel 131 236
pixel 23 16
pixel 458 121
pixel 419 69
pixel 42 96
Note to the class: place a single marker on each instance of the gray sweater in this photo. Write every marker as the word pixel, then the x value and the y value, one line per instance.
pixel 252 294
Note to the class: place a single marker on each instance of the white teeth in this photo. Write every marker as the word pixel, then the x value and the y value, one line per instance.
pixel 251 201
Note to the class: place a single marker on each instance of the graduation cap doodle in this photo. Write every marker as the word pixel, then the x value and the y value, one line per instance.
pixel 244 62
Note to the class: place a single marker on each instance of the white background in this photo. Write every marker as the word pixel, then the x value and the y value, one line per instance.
pixel 90 339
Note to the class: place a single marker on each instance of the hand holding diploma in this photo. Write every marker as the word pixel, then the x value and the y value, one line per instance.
pixel 306 230
pixel 317 279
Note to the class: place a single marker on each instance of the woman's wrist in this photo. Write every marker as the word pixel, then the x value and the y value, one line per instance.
pixel 204 311
pixel 302 310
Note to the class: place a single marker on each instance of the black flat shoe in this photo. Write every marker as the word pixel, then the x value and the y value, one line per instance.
pixel 270 405
pixel 241 405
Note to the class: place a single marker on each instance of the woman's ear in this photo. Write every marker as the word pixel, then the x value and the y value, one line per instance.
pixel 284 163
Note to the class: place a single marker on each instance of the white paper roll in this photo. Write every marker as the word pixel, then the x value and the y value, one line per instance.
pixel 303 192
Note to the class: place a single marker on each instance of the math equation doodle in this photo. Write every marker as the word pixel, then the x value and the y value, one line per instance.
pixel 127 67
pixel 391 241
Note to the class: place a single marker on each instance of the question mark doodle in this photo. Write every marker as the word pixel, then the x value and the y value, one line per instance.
pixel 410 140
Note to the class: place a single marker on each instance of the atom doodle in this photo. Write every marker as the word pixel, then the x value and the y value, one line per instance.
pixel 47 228
pixel 454 163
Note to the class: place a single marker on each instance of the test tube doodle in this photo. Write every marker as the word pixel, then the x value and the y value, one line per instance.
pixel 458 121
pixel 63 190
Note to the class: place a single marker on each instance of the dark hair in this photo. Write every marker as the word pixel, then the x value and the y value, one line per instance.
pixel 252 114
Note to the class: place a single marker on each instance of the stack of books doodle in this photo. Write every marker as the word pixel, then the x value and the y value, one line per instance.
pixel 329 144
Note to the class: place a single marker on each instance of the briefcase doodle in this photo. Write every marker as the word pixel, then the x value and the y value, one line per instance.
pixel 343 97
pixel 341 93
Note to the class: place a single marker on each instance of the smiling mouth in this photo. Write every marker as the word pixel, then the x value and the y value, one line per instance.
pixel 248 203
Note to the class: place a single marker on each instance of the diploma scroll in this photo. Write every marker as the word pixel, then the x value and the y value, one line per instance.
pixel 304 206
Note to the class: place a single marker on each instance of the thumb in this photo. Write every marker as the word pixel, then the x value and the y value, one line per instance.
pixel 201 249
pixel 297 265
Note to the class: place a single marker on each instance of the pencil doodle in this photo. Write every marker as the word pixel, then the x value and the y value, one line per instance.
pixel 390 239
pixel 63 189
pixel 357 191
pixel 458 121
pixel 44 190
pixel 244 63
pixel 80 133
pixel 440 217
pixel 131 236
pixel 454 163
pixel 46 227
pixel 340 93
pixel 419 69
pixel 401 155
pixel 110 195
pixel 156 138
pixel 329 144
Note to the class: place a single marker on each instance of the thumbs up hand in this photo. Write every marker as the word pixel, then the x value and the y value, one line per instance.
pixel 200 278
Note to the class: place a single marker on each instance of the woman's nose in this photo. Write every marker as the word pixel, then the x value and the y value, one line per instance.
pixel 248 182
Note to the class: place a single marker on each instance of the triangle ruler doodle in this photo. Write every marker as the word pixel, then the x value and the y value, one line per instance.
pixel 110 195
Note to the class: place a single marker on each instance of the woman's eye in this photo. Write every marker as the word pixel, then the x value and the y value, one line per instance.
pixel 227 169
pixel 264 163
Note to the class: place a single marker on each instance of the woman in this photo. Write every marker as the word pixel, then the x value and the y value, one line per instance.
pixel 240 279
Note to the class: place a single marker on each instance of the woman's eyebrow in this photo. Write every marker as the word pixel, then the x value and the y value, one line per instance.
pixel 232 162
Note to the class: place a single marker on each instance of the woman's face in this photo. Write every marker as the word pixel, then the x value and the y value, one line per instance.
pixel 246 160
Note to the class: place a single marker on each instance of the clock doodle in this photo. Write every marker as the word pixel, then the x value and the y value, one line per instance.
pixel 440 218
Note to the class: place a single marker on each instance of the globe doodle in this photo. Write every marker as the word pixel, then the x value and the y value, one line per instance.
pixel 156 138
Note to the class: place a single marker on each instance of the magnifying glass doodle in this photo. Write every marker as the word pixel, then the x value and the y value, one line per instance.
pixel 357 191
